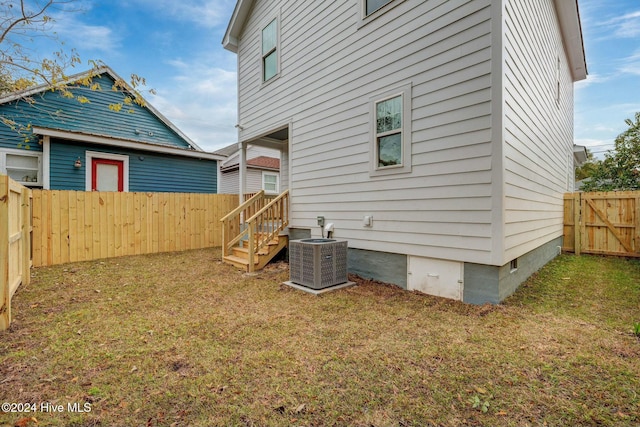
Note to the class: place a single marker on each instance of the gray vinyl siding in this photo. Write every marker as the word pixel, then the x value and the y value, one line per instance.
pixel 331 65
pixel 231 181
pixel 538 130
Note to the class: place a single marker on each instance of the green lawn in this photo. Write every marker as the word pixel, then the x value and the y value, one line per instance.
pixel 181 339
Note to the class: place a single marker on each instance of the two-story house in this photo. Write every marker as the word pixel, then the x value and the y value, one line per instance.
pixel 437 135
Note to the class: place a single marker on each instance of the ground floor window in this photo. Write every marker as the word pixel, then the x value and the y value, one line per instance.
pixel 390 119
pixel 270 182
pixel 22 166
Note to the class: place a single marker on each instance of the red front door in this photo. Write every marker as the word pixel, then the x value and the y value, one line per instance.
pixel 107 175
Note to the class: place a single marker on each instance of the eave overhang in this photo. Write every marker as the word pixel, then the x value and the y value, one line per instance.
pixel 569 16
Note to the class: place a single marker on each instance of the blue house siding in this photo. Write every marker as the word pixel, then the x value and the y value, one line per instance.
pixel 10 138
pixel 52 110
pixel 148 171
pixel 63 175
pixel 139 132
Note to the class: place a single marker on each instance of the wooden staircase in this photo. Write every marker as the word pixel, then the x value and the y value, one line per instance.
pixel 250 244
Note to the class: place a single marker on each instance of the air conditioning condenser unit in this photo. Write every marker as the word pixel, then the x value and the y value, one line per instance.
pixel 318 263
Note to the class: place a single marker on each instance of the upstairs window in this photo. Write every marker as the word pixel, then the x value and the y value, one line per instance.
pixel 371 6
pixel 270 51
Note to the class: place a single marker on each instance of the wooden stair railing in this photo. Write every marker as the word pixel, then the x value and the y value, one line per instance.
pixel 263 217
pixel 231 232
pixel 266 225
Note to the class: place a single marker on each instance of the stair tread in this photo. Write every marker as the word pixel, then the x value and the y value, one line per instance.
pixel 244 252
pixel 243 248
pixel 239 260
pixel 240 254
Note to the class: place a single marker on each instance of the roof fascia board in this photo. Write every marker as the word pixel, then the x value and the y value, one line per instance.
pixel 254 167
pixel 122 143
pixel 236 23
pixel 569 17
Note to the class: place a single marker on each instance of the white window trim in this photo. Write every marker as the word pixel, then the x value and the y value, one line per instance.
pixel 264 174
pixel 25 153
pixel 90 155
pixel 278 65
pixel 405 167
pixel 46 163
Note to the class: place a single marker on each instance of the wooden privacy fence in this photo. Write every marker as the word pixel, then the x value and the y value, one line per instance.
pixel 15 226
pixel 606 223
pixel 73 226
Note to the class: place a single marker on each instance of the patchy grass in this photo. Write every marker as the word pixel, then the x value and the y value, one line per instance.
pixel 181 339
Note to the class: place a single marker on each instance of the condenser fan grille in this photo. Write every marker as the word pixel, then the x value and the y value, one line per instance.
pixel 318 263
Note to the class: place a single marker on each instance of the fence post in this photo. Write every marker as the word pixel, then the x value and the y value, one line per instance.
pixel 577 227
pixel 5 292
pixel 26 236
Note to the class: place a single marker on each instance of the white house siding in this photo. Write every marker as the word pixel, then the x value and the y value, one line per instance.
pixel 538 129
pixel 230 181
pixel 331 65
pixel 253 151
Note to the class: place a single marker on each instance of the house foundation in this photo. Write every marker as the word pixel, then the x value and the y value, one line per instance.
pixel 480 283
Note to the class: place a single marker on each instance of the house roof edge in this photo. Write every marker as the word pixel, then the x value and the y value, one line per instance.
pixel 236 23
pixel 569 16
pixel 98 71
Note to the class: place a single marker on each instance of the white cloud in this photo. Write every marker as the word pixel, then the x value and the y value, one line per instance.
pixel 71 29
pixel 624 26
pixel 97 38
pixel 627 26
pixel 201 100
pixel 205 13
pixel 631 64
pixel 591 80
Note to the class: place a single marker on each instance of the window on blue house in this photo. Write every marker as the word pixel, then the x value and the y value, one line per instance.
pixel 22 166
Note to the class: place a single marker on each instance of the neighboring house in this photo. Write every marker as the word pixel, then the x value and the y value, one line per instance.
pixel 69 145
pixel 437 136
pixel 580 156
pixel 262 167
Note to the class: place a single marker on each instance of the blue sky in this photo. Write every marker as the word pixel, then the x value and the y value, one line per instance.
pixel 176 46
pixel 611 93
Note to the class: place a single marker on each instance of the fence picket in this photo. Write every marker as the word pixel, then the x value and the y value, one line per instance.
pixel 80 226
pixel 603 223
pixel 15 250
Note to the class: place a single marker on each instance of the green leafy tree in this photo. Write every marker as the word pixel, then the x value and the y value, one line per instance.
pixel 620 169
pixel 21 22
